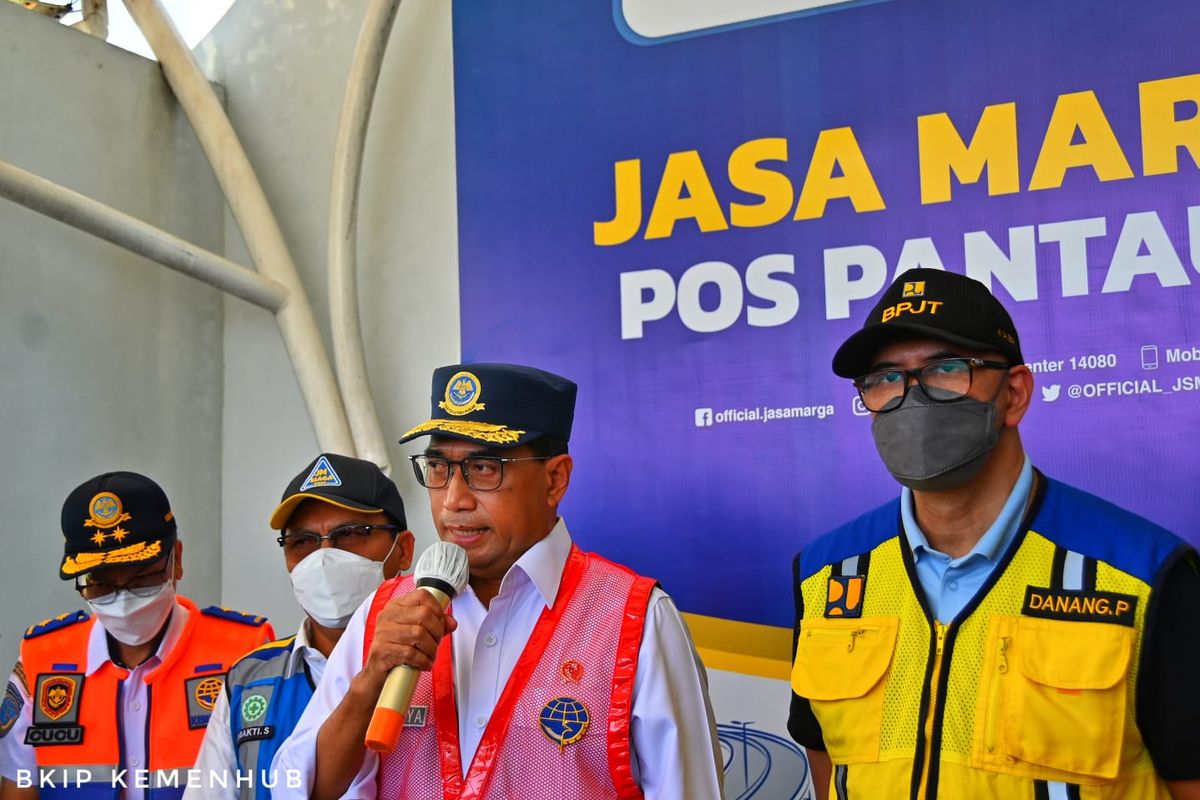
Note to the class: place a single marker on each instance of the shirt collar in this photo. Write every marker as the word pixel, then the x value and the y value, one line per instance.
pixel 543 564
pixel 995 540
pixel 97 653
pixel 302 651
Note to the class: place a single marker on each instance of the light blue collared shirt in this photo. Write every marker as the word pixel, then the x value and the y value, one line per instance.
pixel 950 583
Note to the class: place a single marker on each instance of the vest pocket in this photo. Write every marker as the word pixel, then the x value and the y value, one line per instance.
pixel 840 667
pixel 1062 693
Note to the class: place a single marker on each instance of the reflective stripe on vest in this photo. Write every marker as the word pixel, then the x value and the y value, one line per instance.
pixel 1002 713
pixel 264 706
pixel 206 646
pixel 580 659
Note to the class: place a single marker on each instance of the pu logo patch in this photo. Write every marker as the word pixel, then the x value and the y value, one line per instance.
pixel 57 695
pixel 322 474
pixel 463 392
pixel 844 596
pixel 564 720
pixel 913 289
pixel 1080 606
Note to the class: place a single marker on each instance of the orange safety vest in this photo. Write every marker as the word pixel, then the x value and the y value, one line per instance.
pixel 76 732
pixel 561 727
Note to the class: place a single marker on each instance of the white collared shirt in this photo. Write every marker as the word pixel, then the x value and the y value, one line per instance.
pixel 217 755
pixel 675 751
pixel 18 758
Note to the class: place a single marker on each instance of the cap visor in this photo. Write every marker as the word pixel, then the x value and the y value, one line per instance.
pixel 467 431
pixel 854 357
pixel 75 564
pixel 283 511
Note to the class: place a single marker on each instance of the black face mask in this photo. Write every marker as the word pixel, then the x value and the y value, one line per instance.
pixel 930 446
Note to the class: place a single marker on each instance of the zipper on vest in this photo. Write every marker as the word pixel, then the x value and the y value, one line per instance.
pixel 993 704
pixel 940 634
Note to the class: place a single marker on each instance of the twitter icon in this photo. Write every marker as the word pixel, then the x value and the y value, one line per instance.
pixel 1050 393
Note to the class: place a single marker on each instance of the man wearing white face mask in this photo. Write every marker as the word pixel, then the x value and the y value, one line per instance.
pixel 343 532
pixel 114 704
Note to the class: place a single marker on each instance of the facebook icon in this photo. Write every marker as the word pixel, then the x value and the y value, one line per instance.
pixel 704 417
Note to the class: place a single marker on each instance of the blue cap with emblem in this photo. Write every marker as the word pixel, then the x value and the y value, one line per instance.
pixel 113 520
pixel 503 405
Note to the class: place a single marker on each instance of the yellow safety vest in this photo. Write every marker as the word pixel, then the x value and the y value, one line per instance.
pixel 1028 693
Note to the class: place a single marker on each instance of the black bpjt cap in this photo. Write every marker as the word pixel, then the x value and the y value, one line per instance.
pixel 933 303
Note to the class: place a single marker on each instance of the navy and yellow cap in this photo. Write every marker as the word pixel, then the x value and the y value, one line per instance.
pixel 114 520
pixel 345 482
pixel 936 304
pixel 503 405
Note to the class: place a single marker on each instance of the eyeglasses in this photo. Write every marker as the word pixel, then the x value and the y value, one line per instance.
pixel 343 537
pixel 482 473
pixel 944 380
pixel 102 592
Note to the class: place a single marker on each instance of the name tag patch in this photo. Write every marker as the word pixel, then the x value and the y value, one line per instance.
pixel 44 735
pixel 254 732
pixel 1080 606
pixel 416 716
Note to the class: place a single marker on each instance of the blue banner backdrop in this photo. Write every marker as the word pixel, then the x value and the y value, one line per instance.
pixel 688 219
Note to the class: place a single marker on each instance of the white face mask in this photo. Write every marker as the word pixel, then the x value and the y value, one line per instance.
pixel 331 583
pixel 134 620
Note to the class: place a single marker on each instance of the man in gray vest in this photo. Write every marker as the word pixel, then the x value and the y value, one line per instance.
pixel 342 531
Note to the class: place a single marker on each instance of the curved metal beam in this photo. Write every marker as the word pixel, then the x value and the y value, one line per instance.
pixel 348 355
pixel 264 240
pixel 92 216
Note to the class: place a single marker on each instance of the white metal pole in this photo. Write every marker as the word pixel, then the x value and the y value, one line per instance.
pixel 253 214
pixel 348 353
pixel 92 216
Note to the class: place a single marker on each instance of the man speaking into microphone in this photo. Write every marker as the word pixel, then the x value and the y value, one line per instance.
pixel 555 674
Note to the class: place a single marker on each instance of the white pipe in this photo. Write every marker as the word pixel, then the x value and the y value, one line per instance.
pixel 260 231
pixel 95 17
pixel 92 216
pixel 348 353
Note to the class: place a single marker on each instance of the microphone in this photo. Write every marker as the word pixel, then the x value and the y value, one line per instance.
pixel 442 571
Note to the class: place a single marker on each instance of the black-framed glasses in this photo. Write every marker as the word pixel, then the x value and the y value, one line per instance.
pixel 102 592
pixel 944 380
pixel 482 473
pixel 344 537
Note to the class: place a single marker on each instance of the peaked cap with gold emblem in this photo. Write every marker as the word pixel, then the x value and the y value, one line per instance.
pixel 503 405
pixel 113 520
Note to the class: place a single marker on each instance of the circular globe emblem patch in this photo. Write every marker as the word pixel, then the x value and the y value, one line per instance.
pixel 564 720
pixel 462 394
pixel 105 510
pixel 207 692
pixel 254 707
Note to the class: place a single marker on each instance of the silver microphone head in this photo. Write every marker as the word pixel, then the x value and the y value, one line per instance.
pixel 443 563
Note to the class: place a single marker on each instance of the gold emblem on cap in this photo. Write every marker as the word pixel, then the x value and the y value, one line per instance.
pixel 131 554
pixel 105 511
pixel 914 289
pixel 463 391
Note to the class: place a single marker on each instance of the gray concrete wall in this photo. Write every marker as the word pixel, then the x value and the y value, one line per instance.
pixel 109 361
pixel 283 67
